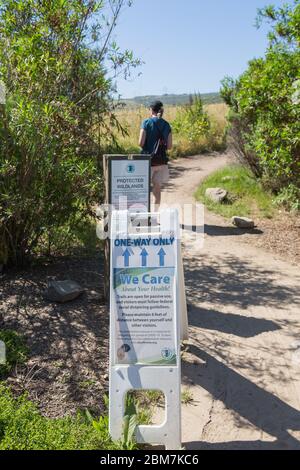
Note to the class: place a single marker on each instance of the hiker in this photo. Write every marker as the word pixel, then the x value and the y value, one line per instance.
pixel 155 140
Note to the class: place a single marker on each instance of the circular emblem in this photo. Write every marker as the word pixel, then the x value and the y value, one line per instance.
pixel 167 353
pixel 130 168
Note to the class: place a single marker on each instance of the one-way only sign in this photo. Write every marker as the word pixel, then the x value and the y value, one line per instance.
pixel 144 322
pixel 144 300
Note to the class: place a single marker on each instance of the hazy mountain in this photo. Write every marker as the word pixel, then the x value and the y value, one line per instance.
pixel 208 98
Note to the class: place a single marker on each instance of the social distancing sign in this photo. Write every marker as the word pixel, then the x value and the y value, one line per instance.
pixel 144 321
pixel 144 300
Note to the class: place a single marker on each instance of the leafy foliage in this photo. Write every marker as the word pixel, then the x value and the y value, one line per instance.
pixel 16 350
pixel 22 427
pixel 289 197
pixel 130 422
pixel 192 121
pixel 264 102
pixel 58 115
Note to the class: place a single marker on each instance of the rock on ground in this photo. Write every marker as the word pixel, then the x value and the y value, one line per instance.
pixel 243 222
pixel 216 194
pixel 62 291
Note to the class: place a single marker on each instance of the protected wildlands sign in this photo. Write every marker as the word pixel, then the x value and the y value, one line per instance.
pixel 130 183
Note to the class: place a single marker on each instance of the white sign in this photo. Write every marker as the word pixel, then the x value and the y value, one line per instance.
pixel 130 184
pixel 143 302
pixel 144 322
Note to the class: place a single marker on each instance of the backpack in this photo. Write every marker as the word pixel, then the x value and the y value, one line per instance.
pixel 159 154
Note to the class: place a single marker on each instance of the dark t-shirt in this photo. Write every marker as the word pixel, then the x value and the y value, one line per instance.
pixel 152 134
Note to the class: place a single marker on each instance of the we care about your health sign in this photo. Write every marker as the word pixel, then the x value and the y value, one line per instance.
pixel 144 320
pixel 144 300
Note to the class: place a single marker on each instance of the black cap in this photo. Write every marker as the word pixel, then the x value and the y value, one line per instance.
pixel 156 106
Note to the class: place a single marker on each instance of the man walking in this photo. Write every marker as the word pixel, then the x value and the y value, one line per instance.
pixel 155 140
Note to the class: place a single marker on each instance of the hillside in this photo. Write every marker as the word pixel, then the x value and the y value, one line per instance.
pixel 171 100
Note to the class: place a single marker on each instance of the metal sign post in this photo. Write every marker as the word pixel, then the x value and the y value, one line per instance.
pixel 145 321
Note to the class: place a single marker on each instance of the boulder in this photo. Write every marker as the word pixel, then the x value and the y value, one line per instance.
pixel 63 291
pixel 216 194
pixel 243 222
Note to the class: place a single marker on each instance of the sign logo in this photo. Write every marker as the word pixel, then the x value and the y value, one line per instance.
pixel 130 168
pixel 167 353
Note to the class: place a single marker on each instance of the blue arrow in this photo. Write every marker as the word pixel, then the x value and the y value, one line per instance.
pixel 144 254
pixel 126 255
pixel 161 255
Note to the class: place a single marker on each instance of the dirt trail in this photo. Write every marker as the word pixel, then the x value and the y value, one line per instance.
pixel 242 365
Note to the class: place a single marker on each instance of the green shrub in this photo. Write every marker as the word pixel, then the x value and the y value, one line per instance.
pixel 264 102
pixel 78 235
pixel 16 350
pixel 192 121
pixel 198 130
pixel 289 197
pixel 58 115
pixel 22 427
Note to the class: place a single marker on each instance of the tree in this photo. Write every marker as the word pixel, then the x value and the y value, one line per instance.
pixel 265 113
pixel 56 60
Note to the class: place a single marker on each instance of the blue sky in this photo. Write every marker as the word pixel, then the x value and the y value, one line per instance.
pixel 189 45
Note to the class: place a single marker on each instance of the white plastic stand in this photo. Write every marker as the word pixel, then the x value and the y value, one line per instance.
pixel 165 379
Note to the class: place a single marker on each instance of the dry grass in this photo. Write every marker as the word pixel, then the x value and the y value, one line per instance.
pixel 131 119
pixel 218 113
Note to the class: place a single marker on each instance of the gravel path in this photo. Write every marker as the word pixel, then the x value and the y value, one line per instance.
pixel 242 363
